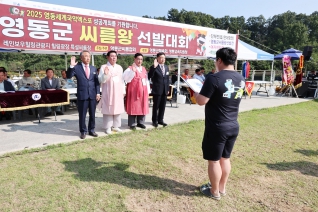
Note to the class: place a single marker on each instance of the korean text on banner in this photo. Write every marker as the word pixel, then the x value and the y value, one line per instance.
pixel 43 28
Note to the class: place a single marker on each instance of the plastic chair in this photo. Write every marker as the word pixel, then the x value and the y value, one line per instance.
pixel 185 91
pixel 169 97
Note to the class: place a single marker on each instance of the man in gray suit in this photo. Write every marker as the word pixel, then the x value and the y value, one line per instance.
pixel 49 82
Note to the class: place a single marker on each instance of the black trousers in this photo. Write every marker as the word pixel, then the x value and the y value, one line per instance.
pixel 132 120
pixel 82 106
pixel 158 108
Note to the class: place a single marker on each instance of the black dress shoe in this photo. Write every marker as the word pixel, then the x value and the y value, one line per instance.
pixel 93 134
pixel 133 128
pixel 155 124
pixel 162 123
pixel 83 136
pixel 141 126
pixel 59 113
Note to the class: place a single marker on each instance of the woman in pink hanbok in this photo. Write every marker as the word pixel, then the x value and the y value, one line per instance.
pixel 137 93
pixel 113 90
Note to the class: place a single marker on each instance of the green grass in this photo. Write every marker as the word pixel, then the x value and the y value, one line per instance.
pixel 275 168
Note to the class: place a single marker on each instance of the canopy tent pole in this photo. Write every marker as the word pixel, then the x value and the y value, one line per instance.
pixel 65 56
pixel 178 80
pixel 272 71
pixel 93 63
pixel 238 34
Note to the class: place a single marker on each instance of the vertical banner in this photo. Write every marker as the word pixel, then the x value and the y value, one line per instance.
pixel 288 77
pixel 299 73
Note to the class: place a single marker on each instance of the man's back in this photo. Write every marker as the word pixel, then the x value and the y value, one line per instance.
pixel 224 89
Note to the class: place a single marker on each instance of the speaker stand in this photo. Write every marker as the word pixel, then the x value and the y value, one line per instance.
pixel 290 89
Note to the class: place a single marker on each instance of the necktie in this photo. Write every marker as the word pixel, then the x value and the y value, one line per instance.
pixel 162 69
pixel 87 71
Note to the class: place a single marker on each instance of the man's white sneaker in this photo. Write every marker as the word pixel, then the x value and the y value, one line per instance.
pixel 116 129
pixel 109 130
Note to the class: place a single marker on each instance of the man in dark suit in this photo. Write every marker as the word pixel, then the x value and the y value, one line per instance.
pixel 87 91
pixel 159 75
pixel 5 86
pixel 49 82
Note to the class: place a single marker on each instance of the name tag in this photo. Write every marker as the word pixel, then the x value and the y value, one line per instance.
pixel 115 79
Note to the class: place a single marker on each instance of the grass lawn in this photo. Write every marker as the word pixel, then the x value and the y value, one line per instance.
pixel 274 168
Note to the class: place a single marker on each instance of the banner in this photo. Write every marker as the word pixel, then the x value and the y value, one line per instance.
pixel 37 26
pixel 217 41
pixel 288 77
pixel 249 86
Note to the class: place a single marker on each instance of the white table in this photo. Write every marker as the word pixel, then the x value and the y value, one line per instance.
pixel 262 84
pixel 72 92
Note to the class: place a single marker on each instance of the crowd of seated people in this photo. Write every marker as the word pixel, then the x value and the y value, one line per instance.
pixel 27 82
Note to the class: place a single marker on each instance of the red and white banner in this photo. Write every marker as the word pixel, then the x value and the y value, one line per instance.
pixel 37 26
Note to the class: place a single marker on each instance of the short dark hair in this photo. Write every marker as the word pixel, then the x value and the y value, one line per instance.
pixel 28 71
pixel 137 55
pixel 160 53
pixel 83 52
pixel 202 68
pixel 3 68
pixel 48 70
pixel 63 71
pixel 197 70
pixel 227 55
pixel 111 51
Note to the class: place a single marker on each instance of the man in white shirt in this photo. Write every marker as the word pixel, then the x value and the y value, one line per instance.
pixel 27 80
pixel 198 75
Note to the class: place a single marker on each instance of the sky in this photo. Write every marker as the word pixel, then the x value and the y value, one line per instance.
pixel 218 9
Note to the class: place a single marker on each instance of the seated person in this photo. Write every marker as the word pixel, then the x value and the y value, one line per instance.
pixel 202 69
pixel 186 75
pixel 213 71
pixel 27 80
pixel 312 75
pixel 6 77
pixel 49 82
pixel 5 86
pixel 198 75
pixel 174 77
pixel 63 79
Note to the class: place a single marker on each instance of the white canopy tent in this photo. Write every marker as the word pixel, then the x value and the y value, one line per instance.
pixel 246 51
